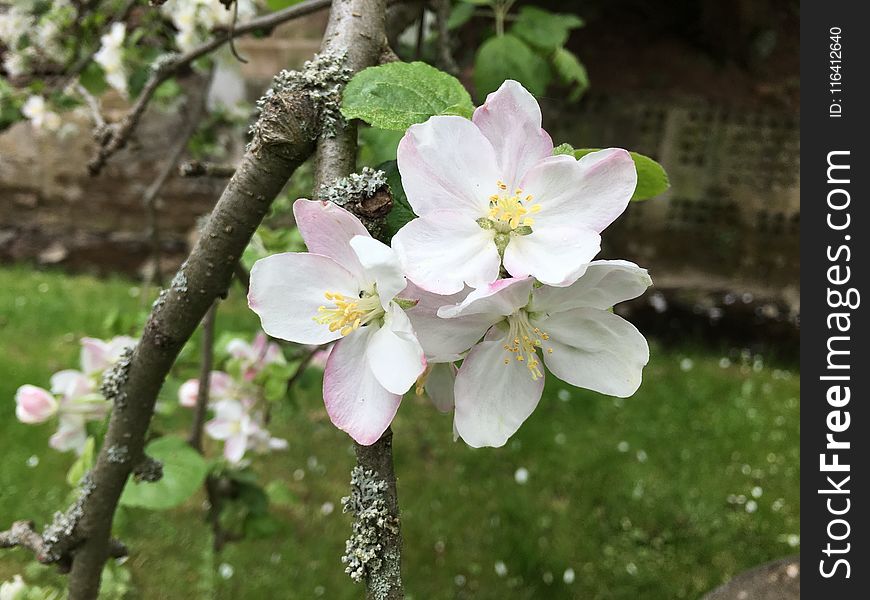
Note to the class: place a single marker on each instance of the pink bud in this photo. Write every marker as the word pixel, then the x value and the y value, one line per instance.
pixel 188 392
pixel 34 404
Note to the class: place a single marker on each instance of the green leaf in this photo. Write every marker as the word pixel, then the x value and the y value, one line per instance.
pixel 563 149
pixel 508 57
pixel 543 29
pixel 397 95
pixel 571 71
pixel 401 212
pixel 460 15
pixel 280 4
pixel 652 179
pixel 280 494
pixel 82 465
pixel 184 470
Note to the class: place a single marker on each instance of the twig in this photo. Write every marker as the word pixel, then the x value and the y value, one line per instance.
pixel 22 534
pixel 196 168
pixel 445 56
pixel 166 68
pixel 303 365
pixel 196 108
pixel 201 409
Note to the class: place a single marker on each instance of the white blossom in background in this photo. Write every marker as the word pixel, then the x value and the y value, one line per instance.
pixel 241 428
pixel 40 116
pixel 110 57
pixel 13 589
pixel 195 19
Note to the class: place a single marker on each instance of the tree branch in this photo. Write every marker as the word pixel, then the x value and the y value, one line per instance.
pixel 201 409
pixel 120 132
pixel 197 168
pixel 23 535
pixel 357 26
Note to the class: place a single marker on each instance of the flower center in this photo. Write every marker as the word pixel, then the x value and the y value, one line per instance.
pixel 347 314
pixel 524 339
pixel 510 211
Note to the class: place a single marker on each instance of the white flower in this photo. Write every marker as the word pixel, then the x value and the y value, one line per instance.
pixel 240 429
pixel 345 289
pixel 13 589
pixel 36 110
pixel 110 58
pixel 490 194
pixel 581 341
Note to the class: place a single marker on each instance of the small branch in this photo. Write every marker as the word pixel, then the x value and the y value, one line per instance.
pixel 196 168
pixel 242 276
pixel 201 409
pixel 195 110
pixel 164 69
pixel 22 534
pixel 445 56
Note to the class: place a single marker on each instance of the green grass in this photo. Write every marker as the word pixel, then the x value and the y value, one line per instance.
pixel 633 495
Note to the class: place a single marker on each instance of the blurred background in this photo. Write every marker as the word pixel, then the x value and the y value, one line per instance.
pixel 667 494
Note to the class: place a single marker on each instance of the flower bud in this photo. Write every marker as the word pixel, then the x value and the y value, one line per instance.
pixel 34 404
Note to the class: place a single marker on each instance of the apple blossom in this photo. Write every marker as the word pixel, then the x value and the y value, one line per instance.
pixel 240 429
pixel 34 404
pixel 255 357
pixel 98 355
pixel 221 387
pixel 346 288
pixel 109 57
pixel 582 343
pixel 489 195
pixel 13 589
pixel 36 110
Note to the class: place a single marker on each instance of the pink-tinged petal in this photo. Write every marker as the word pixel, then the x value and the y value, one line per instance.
pixel 321 356
pixel 234 448
pixel 590 192
pixel 596 350
pixel 439 386
pixel 604 284
pixel 117 345
pixel 446 163
pixel 555 256
pixel 381 267
pixel 70 435
pixel 394 354
pixel 34 404
pixel 188 393
pixel 355 401
pixel 221 429
pixel 240 349
pixel 511 120
pixel 327 229
pixel 72 384
pixel 493 398
pixel 94 355
pixel 444 250
pixel 496 300
pixel 221 386
pixel 443 340
pixel 287 289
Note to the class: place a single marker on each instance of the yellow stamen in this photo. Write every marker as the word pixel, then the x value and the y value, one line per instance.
pixel 524 343
pixel 512 210
pixel 348 314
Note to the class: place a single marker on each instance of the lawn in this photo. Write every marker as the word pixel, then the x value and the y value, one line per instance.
pixel 660 496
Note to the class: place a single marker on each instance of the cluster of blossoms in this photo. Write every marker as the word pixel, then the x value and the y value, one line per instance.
pixel 195 19
pixel 110 57
pixel 74 397
pixel 497 272
pixel 236 402
pixel 34 40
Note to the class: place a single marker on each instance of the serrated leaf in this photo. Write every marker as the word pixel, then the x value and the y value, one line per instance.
pixel 508 57
pixel 184 470
pixel 652 179
pixel 543 29
pixel 571 71
pixel 397 95
pixel 401 212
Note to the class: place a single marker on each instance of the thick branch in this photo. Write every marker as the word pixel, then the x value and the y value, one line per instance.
pixel 357 26
pixel 121 131
pixel 287 126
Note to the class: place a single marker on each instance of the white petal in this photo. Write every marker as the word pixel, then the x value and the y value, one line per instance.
pixel 94 355
pixel 188 393
pixel 589 193
pixel 70 384
pixel 70 435
pixel 355 401
pixel 596 350
pixel 446 163
pixel 443 340
pixel 287 289
pixel 439 386
pixel 511 120
pixel 496 300
pixel 234 448
pixel 604 284
pixel 553 255
pixel 221 429
pixel 381 266
pixel 493 398
pixel 394 354
pixel 327 229
pixel 444 250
